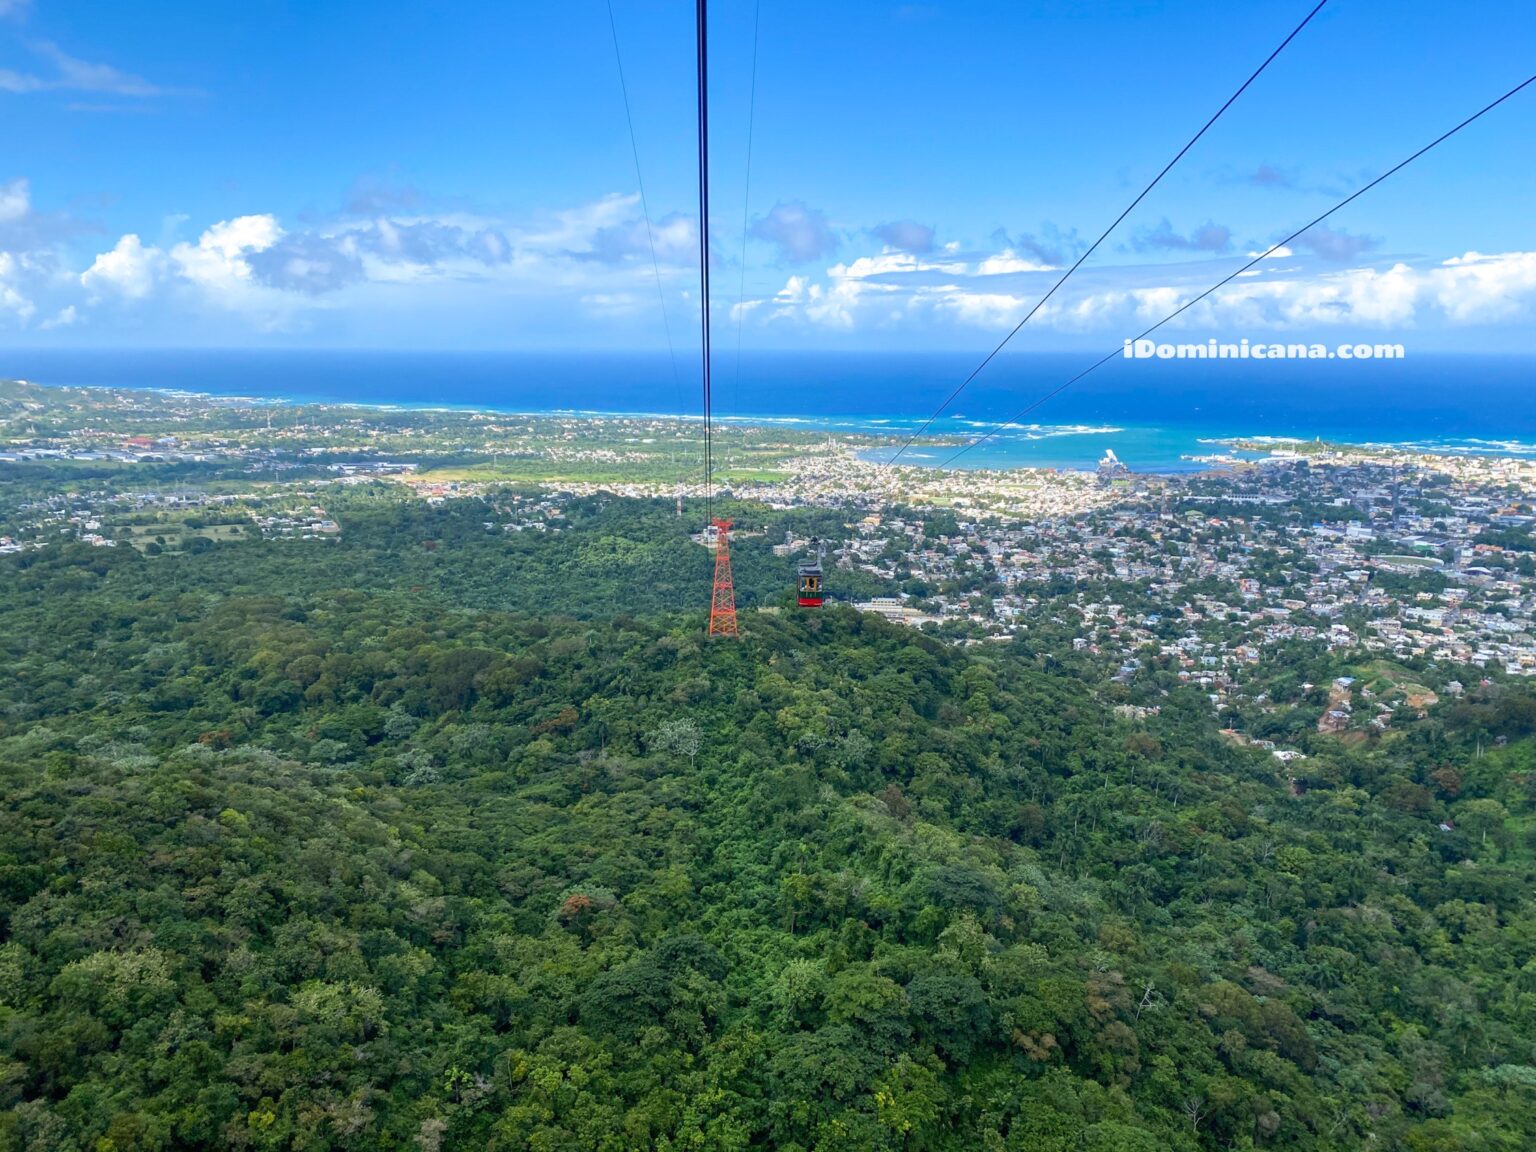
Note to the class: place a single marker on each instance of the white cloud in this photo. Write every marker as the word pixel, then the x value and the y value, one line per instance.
pixel 592 258
pixel 216 264
pixel 404 274
pixel 837 305
pixel 230 238
pixel 1377 298
pixel 14 302
pixel 71 74
pixel 977 309
pixel 794 291
pixel 217 261
pixel 741 309
pixel 1008 261
pixel 11 298
pixel 675 239
pixel 63 318
pixel 891 261
pixel 129 270
pixel 30 256
pixel 1464 290
pixel 83 76
pixel 574 229
pixel 1477 288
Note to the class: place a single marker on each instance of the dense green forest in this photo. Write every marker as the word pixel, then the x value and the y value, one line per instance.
pixel 433 838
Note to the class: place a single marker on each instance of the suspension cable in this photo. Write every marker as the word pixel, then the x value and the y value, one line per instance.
pixel 1017 416
pixel 703 70
pixel 975 372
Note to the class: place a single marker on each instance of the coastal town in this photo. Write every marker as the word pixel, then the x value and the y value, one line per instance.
pixel 1419 571
pixel 1409 558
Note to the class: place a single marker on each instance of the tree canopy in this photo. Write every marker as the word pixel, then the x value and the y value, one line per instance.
pixel 317 845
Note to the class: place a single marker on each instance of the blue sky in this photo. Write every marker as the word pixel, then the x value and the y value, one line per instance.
pixel 385 175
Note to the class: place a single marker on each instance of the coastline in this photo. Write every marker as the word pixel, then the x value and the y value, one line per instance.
pixel 1189 444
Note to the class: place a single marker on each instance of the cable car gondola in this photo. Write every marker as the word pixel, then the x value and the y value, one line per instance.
pixel 811 594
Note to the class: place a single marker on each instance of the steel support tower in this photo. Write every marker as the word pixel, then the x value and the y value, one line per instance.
pixel 722 605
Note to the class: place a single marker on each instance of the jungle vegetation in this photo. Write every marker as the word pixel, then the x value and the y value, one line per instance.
pixel 431 839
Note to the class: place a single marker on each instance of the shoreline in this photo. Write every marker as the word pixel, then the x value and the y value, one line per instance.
pixel 1148 450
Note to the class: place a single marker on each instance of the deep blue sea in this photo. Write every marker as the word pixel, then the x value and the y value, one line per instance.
pixel 1153 414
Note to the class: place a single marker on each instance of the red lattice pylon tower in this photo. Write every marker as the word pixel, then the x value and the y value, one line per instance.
pixel 722 605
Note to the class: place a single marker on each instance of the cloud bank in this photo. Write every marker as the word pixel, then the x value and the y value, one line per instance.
pixel 391 266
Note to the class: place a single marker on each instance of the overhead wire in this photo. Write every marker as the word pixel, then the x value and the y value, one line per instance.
pixel 702 33
pixel 975 372
pixel 650 232
pixel 1273 248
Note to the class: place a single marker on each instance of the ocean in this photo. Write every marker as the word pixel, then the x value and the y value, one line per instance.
pixel 1153 414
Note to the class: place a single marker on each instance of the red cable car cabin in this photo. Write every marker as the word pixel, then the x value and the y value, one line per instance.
pixel 811 594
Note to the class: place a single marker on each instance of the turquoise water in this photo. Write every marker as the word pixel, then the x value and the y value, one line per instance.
pixel 1153 414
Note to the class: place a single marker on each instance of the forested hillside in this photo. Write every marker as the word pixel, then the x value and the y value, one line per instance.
pixel 429 839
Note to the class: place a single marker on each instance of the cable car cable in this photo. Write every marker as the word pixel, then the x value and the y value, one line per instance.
pixel 746 199
pixel 702 33
pixel 1017 416
pixel 939 411
pixel 650 233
